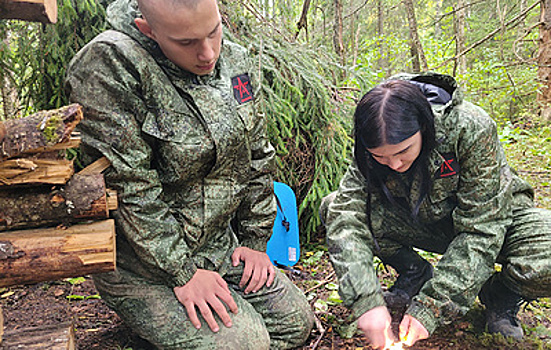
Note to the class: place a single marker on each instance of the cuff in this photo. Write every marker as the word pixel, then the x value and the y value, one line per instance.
pixel 183 276
pixel 423 315
pixel 366 303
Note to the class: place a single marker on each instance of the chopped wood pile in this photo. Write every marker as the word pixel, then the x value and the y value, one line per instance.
pixel 41 197
pixel 38 185
pixel 54 223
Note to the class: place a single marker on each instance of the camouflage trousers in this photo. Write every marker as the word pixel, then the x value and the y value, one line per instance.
pixel 275 317
pixel 525 255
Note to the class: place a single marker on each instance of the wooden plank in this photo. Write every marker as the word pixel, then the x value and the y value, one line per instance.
pixel 51 337
pixel 44 11
pixel 49 254
pixel 96 167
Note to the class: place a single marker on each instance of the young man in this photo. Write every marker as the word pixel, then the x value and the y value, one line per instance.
pixel 172 106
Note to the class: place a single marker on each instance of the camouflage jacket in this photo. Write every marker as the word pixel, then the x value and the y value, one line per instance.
pixel 465 215
pixel 190 159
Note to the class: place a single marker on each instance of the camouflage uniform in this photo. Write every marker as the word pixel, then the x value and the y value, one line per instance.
pixel 478 212
pixel 192 167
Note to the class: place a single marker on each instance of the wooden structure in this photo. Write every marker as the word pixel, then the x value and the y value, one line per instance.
pixel 44 11
pixel 54 224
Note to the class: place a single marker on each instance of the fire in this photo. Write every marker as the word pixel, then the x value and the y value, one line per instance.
pixel 396 346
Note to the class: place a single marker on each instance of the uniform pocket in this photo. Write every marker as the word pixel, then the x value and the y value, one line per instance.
pixel 182 149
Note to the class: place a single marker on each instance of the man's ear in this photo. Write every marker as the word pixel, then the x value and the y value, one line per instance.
pixel 144 27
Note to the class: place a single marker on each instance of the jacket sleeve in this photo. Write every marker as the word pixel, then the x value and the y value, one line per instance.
pixel 350 245
pixel 106 84
pixel 257 212
pixel 480 220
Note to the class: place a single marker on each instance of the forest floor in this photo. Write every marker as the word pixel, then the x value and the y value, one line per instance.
pixel 98 328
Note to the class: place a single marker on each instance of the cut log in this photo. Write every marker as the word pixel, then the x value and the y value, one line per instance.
pixel 83 197
pixel 39 132
pixel 37 255
pixel 44 11
pixel 51 337
pixel 35 171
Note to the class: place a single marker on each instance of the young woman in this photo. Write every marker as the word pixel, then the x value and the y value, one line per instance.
pixel 429 173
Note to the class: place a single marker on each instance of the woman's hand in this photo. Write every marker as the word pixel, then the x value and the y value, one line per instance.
pixel 375 324
pixel 411 330
pixel 258 270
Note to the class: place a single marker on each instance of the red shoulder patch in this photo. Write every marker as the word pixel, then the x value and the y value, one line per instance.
pixel 449 167
pixel 242 89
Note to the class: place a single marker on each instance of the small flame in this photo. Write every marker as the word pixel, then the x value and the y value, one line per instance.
pixel 396 346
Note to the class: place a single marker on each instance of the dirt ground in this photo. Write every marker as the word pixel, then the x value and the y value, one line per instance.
pixel 98 328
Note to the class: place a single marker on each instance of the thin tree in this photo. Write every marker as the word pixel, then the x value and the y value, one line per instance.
pixel 416 48
pixel 382 63
pixel 338 44
pixel 544 60
pixel 460 65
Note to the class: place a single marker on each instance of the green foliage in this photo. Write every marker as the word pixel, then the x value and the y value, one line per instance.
pixel 83 297
pixel 76 280
pixel 308 120
pixel 36 56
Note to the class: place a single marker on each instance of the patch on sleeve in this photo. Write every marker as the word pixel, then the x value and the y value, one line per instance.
pixel 242 89
pixel 449 167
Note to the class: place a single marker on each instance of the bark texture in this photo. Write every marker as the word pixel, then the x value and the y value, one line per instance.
pixel 38 132
pixel 83 197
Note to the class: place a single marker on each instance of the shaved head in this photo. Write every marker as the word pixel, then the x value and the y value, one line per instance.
pixel 149 8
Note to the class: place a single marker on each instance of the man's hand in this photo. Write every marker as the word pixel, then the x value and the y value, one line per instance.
pixel 375 324
pixel 411 330
pixel 206 290
pixel 258 268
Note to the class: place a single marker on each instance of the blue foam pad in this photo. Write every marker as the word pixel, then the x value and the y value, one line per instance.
pixel 284 246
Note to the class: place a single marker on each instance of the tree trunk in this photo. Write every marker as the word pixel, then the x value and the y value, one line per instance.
pixel 84 197
pixel 544 60
pixel 44 11
pixel 38 132
pixel 51 337
pixel 461 62
pixel 382 62
pixel 417 52
pixel 37 255
pixel 303 21
pixel 337 31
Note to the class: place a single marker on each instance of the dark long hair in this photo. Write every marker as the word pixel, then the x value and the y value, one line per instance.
pixel 389 114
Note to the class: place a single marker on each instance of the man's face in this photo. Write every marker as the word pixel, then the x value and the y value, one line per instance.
pixel 188 36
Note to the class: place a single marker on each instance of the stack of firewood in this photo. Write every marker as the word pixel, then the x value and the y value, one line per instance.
pixel 42 197
pixel 43 203
pixel 54 223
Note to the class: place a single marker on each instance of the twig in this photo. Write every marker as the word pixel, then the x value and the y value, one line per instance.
pixel 487 37
pixel 327 280
pixel 321 330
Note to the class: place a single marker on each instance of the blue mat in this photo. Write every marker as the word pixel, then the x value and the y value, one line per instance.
pixel 284 246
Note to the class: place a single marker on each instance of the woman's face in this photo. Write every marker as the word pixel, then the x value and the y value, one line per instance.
pixel 399 157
